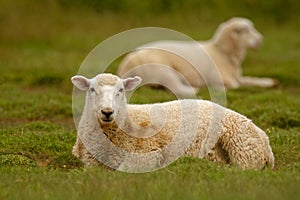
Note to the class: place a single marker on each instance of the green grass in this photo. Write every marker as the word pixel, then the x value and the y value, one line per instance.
pixel 43 45
pixel 186 179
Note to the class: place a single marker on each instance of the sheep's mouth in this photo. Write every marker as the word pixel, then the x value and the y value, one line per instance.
pixel 105 121
pixel 255 44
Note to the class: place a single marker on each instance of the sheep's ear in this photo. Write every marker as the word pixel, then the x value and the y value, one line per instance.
pixel 81 82
pixel 131 83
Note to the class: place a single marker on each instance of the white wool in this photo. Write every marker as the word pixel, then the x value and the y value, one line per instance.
pixel 145 137
pixel 185 66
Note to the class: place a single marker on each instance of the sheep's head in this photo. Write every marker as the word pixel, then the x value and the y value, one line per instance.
pixel 106 94
pixel 242 33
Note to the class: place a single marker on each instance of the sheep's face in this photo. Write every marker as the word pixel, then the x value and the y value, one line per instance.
pixel 243 33
pixel 106 94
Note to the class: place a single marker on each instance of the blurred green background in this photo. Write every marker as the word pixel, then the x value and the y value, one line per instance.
pixel 40 32
pixel 42 19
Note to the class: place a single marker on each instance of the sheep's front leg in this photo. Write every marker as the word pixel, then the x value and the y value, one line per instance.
pixel 256 81
pixel 83 154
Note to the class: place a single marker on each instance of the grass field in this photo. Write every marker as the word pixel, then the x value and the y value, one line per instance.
pixel 43 45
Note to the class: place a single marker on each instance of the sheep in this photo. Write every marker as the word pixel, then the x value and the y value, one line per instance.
pixel 216 62
pixel 145 137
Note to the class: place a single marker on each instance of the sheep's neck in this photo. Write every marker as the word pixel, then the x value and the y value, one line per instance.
pixel 134 144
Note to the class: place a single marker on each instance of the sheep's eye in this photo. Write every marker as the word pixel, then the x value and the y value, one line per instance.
pixel 246 29
pixel 119 91
pixel 242 30
pixel 92 89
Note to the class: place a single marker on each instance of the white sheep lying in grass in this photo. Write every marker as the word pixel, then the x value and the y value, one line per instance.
pixel 214 62
pixel 115 133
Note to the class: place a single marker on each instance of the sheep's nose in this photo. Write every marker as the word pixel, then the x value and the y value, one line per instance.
pixel 107 112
